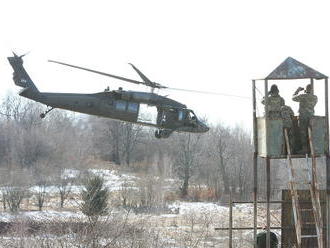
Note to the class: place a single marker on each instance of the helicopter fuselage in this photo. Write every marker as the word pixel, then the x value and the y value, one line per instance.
pixel 125 106
pixel 168 115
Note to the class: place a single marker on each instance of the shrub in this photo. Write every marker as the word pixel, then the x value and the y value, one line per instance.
pixel 95 198
pixel 14 197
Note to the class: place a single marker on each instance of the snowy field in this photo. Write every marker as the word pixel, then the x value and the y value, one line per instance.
pixel 187 224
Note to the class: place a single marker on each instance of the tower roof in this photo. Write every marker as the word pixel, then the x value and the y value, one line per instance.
pixel 293 69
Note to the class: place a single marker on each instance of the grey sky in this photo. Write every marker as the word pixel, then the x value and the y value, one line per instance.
pixel 201 45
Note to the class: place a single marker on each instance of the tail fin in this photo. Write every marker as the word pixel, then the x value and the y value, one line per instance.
pixel 20 76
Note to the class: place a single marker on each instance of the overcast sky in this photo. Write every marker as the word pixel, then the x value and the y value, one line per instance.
pixel 214 46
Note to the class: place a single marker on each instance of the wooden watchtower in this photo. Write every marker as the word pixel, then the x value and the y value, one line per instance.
pixel 271 141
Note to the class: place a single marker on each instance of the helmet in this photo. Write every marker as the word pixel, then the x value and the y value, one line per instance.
pixel 273 89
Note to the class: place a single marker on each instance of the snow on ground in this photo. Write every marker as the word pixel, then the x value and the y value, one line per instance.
pixel 46 215
pixel 198 207
pixel 186 217
pixel 75 189
pixel 70 173
pixel 113 181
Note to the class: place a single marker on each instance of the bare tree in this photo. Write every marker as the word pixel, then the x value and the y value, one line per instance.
pixel 41 193
pixel 63 184
pixel 221 153
pixel 241 169
pixel 116 140
pixel 14 196
pixel 186 158
pixel 131 134
pixel 107 138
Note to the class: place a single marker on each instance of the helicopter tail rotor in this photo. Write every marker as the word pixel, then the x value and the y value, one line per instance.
pixel 20 56
pixel 20 76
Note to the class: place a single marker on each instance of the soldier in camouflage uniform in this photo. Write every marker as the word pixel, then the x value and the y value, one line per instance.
pixel 274 102
pixel 287 116
pixel 307 102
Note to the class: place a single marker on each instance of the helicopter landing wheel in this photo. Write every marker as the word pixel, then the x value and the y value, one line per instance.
pixel 158 134
pixel 166 133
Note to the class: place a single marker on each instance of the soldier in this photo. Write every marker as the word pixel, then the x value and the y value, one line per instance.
pixel 274 102
pixel 307 102
pixel 287 116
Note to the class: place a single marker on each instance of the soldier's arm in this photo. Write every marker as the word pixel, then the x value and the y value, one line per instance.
pixel 295 96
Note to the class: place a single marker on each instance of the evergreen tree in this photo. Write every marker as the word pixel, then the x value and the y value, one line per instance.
pixel 95 198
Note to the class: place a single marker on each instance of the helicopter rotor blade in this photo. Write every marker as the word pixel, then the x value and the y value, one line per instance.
pixel 98 72
pixel 208 92
pixel 142 76
pixel 146 80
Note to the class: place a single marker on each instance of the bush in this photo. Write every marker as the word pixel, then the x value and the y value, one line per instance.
pixel 14 197
pixel 199 194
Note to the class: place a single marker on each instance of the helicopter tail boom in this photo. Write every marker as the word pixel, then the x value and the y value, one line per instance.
pixel 20 76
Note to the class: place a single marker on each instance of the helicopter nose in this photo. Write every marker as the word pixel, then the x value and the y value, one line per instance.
pixel 203 128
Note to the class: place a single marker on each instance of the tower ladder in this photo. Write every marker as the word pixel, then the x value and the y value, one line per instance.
pixel 314 192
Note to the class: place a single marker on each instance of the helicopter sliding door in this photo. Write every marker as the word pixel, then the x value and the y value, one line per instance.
pixel 147 114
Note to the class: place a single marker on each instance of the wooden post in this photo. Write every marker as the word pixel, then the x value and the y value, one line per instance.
pixel 267 166
pixel 268 201
pixel 327 161
pixel 230 218
pixel 328 199
pixel 255 165
pixel 266 112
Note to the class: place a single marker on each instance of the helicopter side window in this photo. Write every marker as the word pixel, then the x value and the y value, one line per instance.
pixel 180 115
pixel 133 107
pixel 121 105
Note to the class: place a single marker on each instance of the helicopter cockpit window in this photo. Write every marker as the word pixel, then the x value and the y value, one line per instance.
pixel 133 107
pixel 121 105
pixel 191 116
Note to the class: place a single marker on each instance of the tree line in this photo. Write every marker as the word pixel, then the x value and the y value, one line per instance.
pixel 219 160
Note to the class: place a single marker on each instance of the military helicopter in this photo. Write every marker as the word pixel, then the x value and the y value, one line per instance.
pixel 169 115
